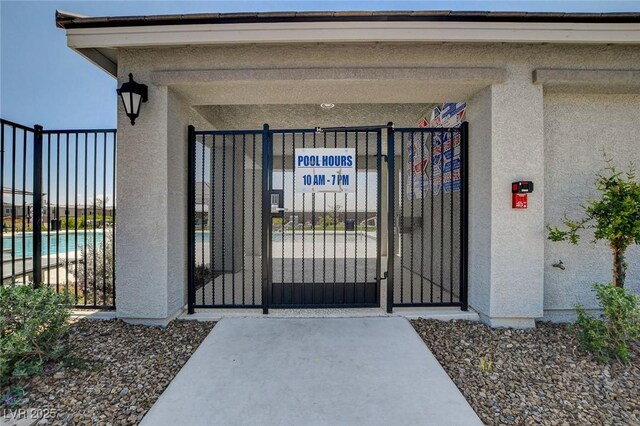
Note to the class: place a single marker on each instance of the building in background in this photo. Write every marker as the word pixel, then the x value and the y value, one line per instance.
pixel 544 93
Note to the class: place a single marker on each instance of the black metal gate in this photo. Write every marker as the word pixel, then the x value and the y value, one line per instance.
pixel 256 240
pixel 431 222
pixel 324 248
pixel 225 219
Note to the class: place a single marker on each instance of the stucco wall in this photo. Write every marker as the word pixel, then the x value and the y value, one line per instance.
pixel 508 253
pixel 505 245
pixel 142 207
pixel 510 56
pixel 479 117
pixel 179 116
pixel 517 153
pixel 152 193
pixel 577 127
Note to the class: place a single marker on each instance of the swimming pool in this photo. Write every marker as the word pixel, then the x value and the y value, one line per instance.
pixel 51 243
pixel 202 236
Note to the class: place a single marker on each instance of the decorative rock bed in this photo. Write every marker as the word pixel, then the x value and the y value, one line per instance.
pixel 536 376
pixel 115 371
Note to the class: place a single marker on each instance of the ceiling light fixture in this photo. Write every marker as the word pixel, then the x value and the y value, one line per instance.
pixel 327 105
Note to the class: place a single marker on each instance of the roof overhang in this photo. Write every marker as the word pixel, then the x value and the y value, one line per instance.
pixel 98 38
pixel 588 81
pixel 249 86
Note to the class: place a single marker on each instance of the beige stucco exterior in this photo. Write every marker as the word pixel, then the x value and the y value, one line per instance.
pixel 549 131
pixel 579 128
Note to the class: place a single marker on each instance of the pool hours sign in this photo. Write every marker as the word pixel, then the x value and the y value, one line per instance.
pixel 325 170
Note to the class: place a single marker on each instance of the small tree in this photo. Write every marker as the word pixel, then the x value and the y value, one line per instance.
pixel 327 221
pixel 614 217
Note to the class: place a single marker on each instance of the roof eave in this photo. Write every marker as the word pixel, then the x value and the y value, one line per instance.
pixel 90 36
pixel 71 20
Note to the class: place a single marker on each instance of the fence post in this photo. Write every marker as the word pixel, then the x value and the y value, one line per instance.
pixel 37 206
pixel 191 201
pixel 391 201
pixel 464 207
pixel 266 218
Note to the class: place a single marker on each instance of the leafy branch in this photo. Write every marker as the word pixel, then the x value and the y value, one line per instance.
pixel 614 217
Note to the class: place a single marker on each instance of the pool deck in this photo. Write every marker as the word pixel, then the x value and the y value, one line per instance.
pixel 49 263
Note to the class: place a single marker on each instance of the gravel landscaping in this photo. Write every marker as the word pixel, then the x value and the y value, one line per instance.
pixel 115 371
pixel 537 376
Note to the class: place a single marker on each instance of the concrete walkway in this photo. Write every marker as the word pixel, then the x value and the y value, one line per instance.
pixel 312 371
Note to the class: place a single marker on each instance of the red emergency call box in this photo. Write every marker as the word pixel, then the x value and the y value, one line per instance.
pixel 519 201
pixel 519 191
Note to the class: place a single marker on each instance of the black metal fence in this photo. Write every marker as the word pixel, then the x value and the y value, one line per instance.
pixel 431 224
pixel 255 241
pixel 225 198
pixel 58 211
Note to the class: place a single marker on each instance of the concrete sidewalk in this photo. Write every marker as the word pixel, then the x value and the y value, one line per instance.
pixel 312 371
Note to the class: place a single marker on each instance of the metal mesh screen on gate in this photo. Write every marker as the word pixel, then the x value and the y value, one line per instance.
pixel 226 216
pixel 325 245
pixel 430 264
pixel 267 230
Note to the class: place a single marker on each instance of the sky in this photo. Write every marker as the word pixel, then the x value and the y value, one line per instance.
pixel 44 82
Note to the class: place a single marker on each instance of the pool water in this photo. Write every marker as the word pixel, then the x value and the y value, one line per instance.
pixel 202 236
pixel 51 243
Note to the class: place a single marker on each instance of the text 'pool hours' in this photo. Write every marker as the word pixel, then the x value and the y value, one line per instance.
pixel 325 170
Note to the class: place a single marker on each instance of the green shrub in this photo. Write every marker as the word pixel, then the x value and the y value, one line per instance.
pixel 614 217
pixel 33 324
pixel 104 277
pixel 11 397
pixel 609 337
pixel 327 221
pixel 68 223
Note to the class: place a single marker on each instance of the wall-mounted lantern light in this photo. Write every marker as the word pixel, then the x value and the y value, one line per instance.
pixel 133 94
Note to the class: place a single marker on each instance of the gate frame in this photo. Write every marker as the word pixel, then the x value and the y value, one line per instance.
pixel 267 216
pixel 266 246
pixel 192 140
pixel 390 273
pixel 267 223
pixel 191 216
pixel 464 222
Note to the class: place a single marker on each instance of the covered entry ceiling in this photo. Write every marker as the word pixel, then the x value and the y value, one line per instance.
pixel 285 116
pixel 313 86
